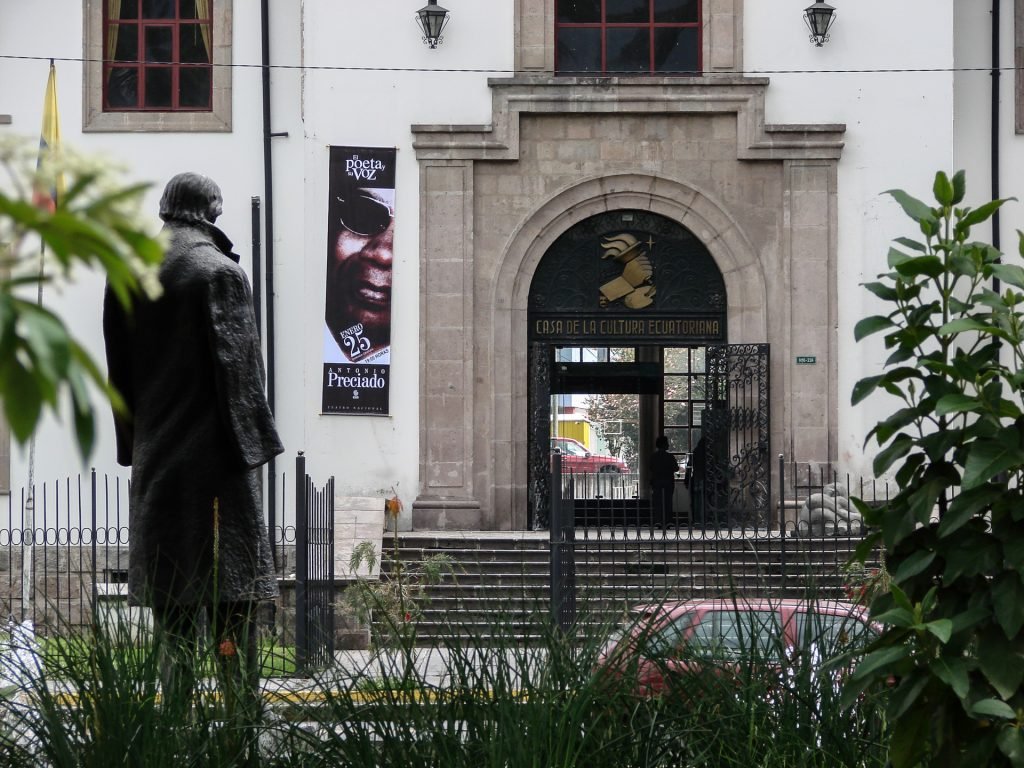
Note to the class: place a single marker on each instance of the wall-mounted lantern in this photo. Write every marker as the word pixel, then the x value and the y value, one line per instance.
pixel 819 19
pixel 432 19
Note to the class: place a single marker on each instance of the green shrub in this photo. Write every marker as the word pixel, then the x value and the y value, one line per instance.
pixel 95 224
pixel 549 702
pixel 472 702
pixel 952 652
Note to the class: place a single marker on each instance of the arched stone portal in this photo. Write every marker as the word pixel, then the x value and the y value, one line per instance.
pixel 619 298
pixel 734 259
pixel 494 199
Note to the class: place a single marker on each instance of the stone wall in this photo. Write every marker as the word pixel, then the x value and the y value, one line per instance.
pixel 63 583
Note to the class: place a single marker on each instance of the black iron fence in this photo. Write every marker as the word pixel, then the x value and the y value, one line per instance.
pixel 314 571
pixel 64 551
pixel 64 559
pixel 609 544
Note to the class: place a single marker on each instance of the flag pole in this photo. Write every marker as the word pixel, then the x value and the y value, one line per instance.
pixel 29 527
pixel 49 144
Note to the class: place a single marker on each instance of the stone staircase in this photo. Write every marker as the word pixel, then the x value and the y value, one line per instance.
pixel 502 580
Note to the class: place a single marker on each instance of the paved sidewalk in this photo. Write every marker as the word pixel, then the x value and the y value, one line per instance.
pixel 432 666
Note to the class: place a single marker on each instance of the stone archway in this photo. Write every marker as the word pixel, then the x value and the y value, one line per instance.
pixel 733 253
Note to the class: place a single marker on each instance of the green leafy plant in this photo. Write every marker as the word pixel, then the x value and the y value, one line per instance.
pixel 390 605
pixel 952 651
pixel 101 698
pixel 474 700
pixel 554 701
pixel 862 584
pixel 96 224
pixel 393 601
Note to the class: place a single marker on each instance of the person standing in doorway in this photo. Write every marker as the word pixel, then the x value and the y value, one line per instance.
pixel 663 482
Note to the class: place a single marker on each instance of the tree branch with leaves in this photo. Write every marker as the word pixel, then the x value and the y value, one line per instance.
pixel 95 225
pixel 952 652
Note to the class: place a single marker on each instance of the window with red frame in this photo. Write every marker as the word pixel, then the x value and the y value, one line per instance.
pixel 627 37
pixel 158 55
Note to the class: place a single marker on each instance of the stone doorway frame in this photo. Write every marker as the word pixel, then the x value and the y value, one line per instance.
pixel 474 282
pixel 734 254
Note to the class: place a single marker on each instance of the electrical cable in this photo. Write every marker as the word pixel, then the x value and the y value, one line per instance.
pixel 548 73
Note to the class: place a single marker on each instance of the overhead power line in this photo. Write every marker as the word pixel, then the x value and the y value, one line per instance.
pixel 500 71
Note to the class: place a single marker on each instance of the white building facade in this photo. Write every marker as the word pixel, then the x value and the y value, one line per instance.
pixel 774 157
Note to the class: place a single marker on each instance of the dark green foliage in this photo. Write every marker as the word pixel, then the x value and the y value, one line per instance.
pixel 94 225
pixel 552 702
pixel 98 700
pixel 952 654
pixel 493 701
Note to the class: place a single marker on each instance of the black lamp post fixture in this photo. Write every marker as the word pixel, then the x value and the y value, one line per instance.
pixel 819 19
pixel 432 19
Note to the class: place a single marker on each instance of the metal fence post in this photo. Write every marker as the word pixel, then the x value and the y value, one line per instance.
pixel 562 543
pixel 95 588
pixel 782 523
pixel 554 538
pixel 330 569
pixel 301 562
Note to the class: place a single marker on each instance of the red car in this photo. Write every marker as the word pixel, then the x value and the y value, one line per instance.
pixel 576 457
pixel 656 641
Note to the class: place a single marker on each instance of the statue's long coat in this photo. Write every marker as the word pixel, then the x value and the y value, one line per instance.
pixel 190 369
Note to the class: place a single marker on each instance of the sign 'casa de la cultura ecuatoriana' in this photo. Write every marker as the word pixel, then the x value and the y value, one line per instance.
pixel 630 278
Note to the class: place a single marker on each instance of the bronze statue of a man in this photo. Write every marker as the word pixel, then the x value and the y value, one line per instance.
pixel 190 370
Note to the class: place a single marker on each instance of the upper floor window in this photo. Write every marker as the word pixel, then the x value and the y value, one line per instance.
pixel 628 37
pixel 157 65
pixel 158 55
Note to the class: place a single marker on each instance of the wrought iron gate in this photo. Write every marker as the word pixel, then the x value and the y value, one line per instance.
pixel 314 571
pixel 539 452
pixel 729 543
pixel 736 476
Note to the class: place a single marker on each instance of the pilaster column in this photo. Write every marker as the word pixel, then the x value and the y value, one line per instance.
pixel 810 359
pixel 447 499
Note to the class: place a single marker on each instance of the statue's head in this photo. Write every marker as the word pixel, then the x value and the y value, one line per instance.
pixel 192 198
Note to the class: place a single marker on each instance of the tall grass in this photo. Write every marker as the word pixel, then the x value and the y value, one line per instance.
pixel 769 705
pixel 478 702
pixel 98 700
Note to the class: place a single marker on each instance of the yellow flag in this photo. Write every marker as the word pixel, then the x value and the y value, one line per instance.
pixel 49 143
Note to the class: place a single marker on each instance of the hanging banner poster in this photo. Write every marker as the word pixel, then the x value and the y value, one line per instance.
pixel 360 243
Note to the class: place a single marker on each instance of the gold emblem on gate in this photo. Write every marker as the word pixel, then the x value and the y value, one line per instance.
pixel 635 287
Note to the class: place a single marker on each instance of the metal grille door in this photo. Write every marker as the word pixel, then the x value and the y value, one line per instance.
pixel 735 435
pixel 314 571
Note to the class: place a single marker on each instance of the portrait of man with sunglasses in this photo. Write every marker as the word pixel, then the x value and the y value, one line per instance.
pixel 358 316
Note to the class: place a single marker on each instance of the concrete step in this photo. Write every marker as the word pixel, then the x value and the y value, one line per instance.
pixel 467 571
pixel 733 541
pixel 468 575
pixel 585 551
pixel 502 582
